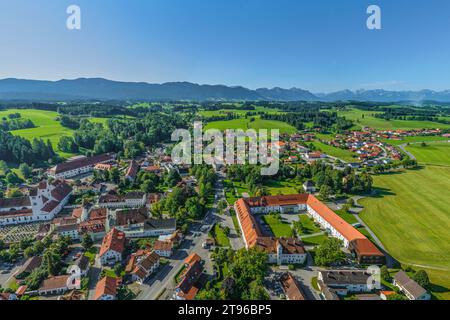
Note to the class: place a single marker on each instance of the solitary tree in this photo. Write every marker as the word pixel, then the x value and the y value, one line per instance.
pixel 421 277
pixel 87 242
pixel 25 170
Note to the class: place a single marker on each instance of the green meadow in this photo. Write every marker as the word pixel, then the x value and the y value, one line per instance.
pixel 278 227
pixel 437 153
pixel 246 124
pixel 410 214
pixel 224 112
pixel 366 119
pixel 414 139
pixel 47 126
pixel 342 154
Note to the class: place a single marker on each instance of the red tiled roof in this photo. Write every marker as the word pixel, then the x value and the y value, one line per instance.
pixel 252 232
pixel 131 216
pixel 365 247
pixel 186 288
pixel 132 169
pixel 292 287
pixel 97 214
pixel 344 228
pixel 77 212
pixel 143 267
pixel 61 191
pixel 50 206
pixel 106 286
pixel 113 240
pixel 163 245
pixel 192 258
pixel 15 202
pixel 57 282
pixel 80 163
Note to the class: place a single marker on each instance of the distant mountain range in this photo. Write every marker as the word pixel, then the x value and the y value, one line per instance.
pixel 102 89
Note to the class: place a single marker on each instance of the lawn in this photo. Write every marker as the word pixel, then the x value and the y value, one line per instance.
pixel 246 124
pixel 308 225
pixel 91 254
pixel 342 154
pixel 365 119
pixel 350 218
pixel 235 222
pixel 279 227
pixel 314 240
pixel 411 217
pixel 220 236
pixel 437 153
pixel 277 187
pixel 46 126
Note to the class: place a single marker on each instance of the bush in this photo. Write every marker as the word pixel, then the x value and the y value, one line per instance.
pixel 421 277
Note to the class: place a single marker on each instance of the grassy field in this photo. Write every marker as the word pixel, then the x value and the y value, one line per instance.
pixel 411 217
pixel 348 217
pixel 279 227
pixel 342 154
pixel 437 153
pixel 314 240
pixel 220 236
pixel 366 119
pixel 246 124
pixel 414 140
pixel 276 187
pixel 224 112
pixel 46 126
pixel 308 225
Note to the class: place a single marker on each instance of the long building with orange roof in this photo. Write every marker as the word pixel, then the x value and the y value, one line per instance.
pixel 365 251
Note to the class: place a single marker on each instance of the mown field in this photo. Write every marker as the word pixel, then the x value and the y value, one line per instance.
pixel 411 216
pixel 47 127
pixel 414 140
pixel 224 112
pixel 342 154
pixel 246 124
pixel 437 153
pixel 278 227
pixel 366 119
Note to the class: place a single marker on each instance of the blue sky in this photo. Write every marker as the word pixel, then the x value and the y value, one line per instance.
pixel 320 45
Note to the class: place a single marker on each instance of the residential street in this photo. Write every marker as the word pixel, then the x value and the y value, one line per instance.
pixel 161 285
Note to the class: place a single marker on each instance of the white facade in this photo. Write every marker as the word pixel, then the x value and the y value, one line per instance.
pixel 71 173
pixel 36 205
pixel 73 234
pixel 52 292
pixel 148 273
pixel 127 203
pixel 164 253
pixel 110 257
pixel 325 225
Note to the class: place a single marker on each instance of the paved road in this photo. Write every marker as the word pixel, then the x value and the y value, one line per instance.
pixel 162 283
pixel 226 220
pixel 7 277
pixel 94 276
pixel 403 148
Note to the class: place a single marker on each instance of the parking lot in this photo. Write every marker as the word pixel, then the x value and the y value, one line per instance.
pixel 7 270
